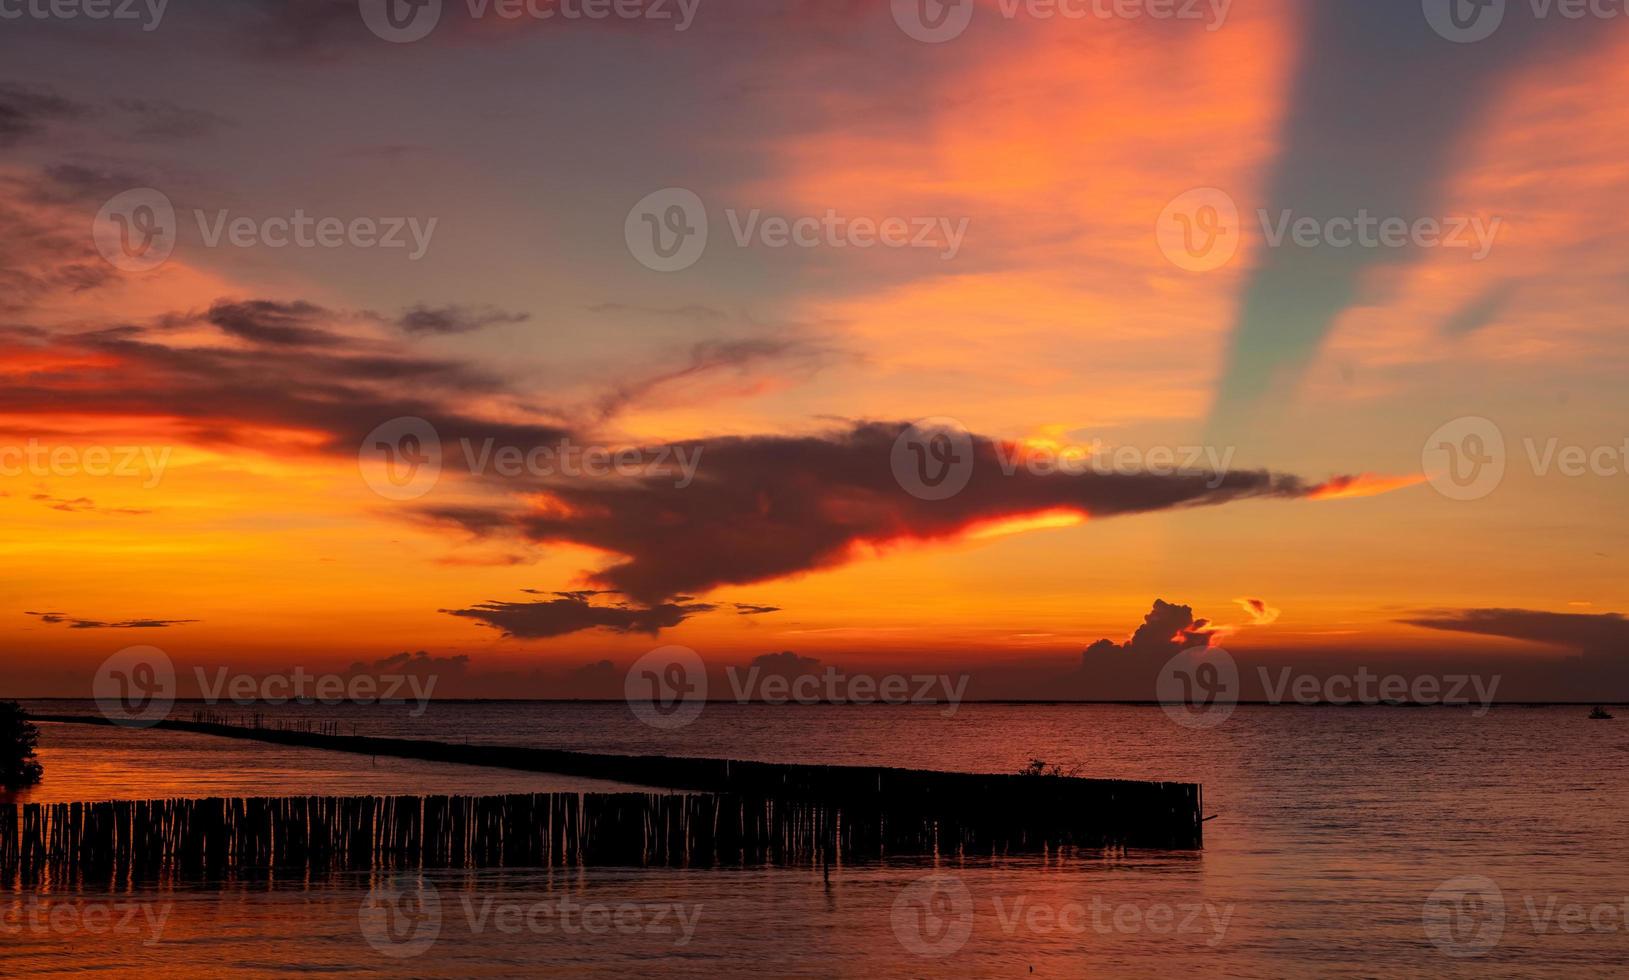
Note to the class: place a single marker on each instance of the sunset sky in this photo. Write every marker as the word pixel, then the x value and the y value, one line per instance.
pixel 1059 319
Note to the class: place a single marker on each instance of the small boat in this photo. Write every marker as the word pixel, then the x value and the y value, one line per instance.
pixel 1600 714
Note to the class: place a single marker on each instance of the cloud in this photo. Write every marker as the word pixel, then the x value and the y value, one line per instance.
pixel 294 375
pixel 571 613
pixel 290 373
pixel 25 110
pixel 419 661
pixel 1260 613
pixel 767 507
pixel 748 609
pixel 711 358
pixel 598 670
pixel 1587 633
pixel 1166 631
pixel 45 251
pixel 78 505
pixel 272 323
pixel 785 662
pixel 419 658
pixel 158 120
pixel 423 319
pixel 689 311
pixel 73 623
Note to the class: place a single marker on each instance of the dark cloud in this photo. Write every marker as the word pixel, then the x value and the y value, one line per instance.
pixel 303 29
pixel 748 609
pixel 76 505
pixel 296 375
pixel 73 623
pixel 1167 630
pixel 389 151
pixel 45 251
pixel 1588 633
pixel 785 662
pixel 332 31
pixel 267 322
pixel 423 319
pixel 764 507
pixel 293 365
pixel 158 120
pixel 1261 614
pixel 72 184
pixel 581 595
pixel 690 311
pixel 417 661
pixel 760 507
pixel 25 110
pixel 1483 310
pixel 711 357
pixel 569 614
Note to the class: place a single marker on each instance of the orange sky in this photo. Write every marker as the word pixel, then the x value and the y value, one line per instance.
pixel 1059 324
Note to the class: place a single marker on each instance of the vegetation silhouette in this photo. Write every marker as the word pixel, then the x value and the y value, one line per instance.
pixel 18 738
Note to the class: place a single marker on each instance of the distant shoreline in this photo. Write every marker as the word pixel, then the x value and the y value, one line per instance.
pixel 881 704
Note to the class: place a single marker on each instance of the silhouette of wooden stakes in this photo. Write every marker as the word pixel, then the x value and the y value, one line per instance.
pixel 124 844
pixel 717 812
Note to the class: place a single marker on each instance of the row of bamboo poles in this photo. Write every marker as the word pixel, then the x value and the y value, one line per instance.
pixel 721 812
pixel 1024 810
pixel 126 844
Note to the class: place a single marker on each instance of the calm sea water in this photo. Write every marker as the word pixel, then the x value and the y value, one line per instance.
pixel 1336 831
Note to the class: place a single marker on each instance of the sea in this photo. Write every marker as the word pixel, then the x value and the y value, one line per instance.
pixel 1343 842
